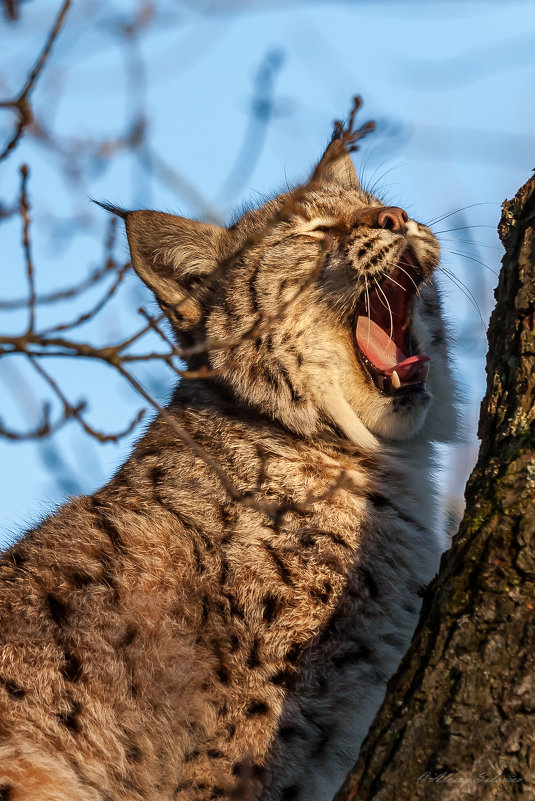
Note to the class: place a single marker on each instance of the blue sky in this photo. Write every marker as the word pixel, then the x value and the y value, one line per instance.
pixel 450 85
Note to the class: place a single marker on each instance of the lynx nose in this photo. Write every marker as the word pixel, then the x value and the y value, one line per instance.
pixel 393 219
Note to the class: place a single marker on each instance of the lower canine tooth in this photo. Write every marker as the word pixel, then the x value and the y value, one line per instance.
pixel 395 380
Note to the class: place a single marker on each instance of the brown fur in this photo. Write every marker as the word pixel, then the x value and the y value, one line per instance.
pixel 162 640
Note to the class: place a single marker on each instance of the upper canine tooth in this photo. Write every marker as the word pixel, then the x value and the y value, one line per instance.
pixel 395 380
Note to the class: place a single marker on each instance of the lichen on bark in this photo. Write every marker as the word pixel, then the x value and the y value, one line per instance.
pixel 458 721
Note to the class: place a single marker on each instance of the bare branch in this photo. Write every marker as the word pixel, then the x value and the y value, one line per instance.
pixel 61 294
pixel 44 429
pixel 86 316
pixel 70 292
pixel 11 10
pixel 24 208
pixel 75 411
pixel 21 104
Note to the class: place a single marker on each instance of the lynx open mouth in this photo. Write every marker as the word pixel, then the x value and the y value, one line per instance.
pixel 382 330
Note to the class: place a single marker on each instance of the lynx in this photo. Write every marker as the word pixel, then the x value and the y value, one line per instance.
pixel 220 620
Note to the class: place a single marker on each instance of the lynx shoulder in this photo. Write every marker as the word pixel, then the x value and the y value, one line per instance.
pixel 221 619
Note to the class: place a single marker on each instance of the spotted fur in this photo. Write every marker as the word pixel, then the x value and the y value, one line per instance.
pixel 163 639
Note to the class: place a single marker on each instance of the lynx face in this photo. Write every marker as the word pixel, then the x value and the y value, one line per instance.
pixel 319 308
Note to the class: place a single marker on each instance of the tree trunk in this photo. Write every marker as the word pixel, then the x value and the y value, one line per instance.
pixel 458 721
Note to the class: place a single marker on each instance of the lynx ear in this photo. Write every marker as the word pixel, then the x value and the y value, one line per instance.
pixel 172 255
pixel 336 166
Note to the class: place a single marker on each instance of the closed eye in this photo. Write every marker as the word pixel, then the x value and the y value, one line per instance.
pixel 321 225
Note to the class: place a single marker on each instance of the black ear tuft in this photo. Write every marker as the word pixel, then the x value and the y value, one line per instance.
pixel 122 213
pixel 335 166
pixel 347 131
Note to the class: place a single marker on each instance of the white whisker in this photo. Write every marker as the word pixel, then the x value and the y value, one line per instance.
pixel 417 288
pixel 464 289
pixel 457 211
pixel 387 306
pixel 472 258
pixel 470 242
pixel 389 277
pixel 369 312
pixel 462 228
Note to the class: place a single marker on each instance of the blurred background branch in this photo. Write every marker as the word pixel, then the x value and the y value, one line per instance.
pixel 21 103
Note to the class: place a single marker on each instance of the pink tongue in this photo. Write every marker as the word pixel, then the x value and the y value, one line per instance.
pixel 415 368
pixel 377 345
pixel 384 354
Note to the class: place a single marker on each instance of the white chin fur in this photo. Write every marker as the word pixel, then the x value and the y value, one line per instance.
pixel 379 416
pixel 354 400
pixel 401 428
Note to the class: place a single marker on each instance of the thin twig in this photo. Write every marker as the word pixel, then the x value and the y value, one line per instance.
pixel 43 429
pixel 24 208
pixel 21 103
pixel 75 411
pixel 86 316
pixel 61 294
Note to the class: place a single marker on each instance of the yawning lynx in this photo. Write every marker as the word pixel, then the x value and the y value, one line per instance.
pixel 221 619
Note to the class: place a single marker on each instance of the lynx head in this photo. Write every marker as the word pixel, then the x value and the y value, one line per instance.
pixel 320 307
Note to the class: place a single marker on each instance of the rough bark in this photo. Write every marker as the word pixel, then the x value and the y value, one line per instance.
pixel 458 721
